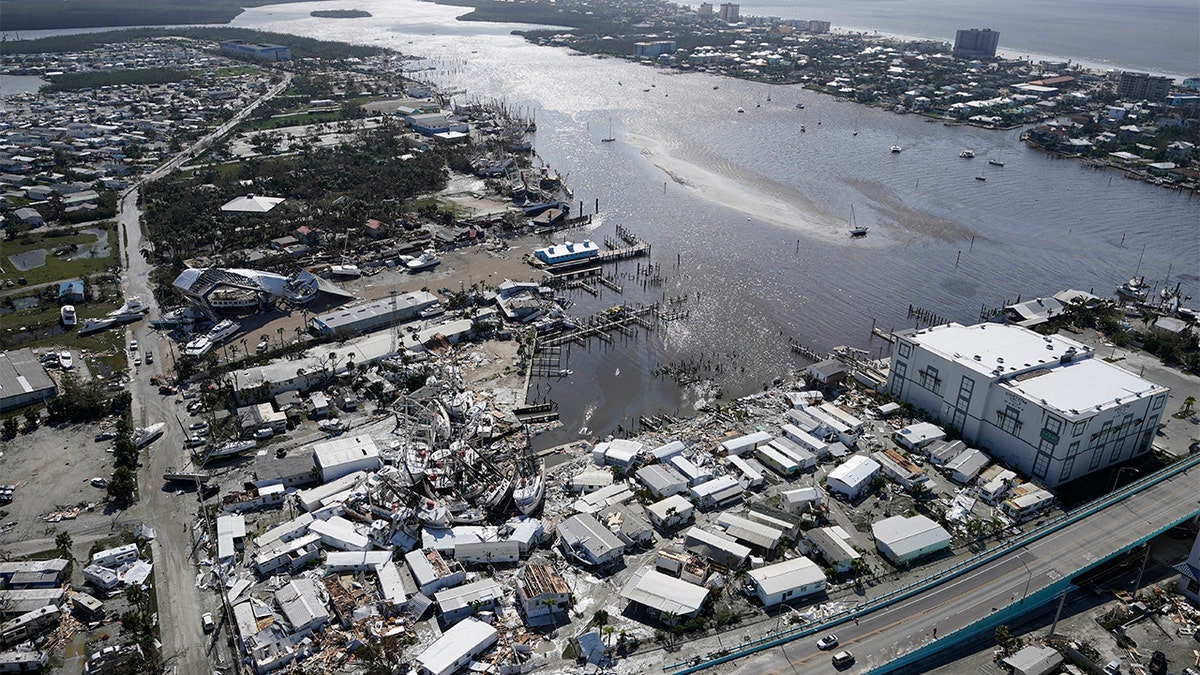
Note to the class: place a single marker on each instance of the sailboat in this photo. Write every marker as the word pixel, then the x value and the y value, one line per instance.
pixel 856 230
pixel 529 480
pixel 610 137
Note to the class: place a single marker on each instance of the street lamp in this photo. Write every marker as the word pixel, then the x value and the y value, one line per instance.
pixel 1117 476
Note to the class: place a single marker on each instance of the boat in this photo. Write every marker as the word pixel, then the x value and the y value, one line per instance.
pixel 610 138
pixel 529 484
pixel 198 347
pixel 223 331
pixel 897 148
pixel 423 262
pixel 171 474
pixel 143 436
pixel 132 310
pixel 347 270
pixel 995 162
pixel 967 154
pixel 95 325
pixel 981 178
pixel 226 450
pixel 495 497
pixel 1135 289
pixel 856 230
pixel 800 106
pixel 741 110
pixel 430 312
pixel 68 315
pixel 65 361
pixel 301 287
pixel 802 128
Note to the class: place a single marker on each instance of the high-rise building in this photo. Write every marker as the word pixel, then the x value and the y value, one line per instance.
pixel 729 12
pixel 818 26
pixel 1143 86
pixel 706 10
pixel 974 43
pixel 1041 404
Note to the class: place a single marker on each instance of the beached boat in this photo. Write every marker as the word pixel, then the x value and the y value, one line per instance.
pixel 143 436
pixel 226 450
pixel 67 314
pixel 967 154
pixel 423 262
pixel 856 230
pixel 1134 289
pixel 132 310
pixel 95 325
pixel 65 360
pixel 346 271
pixel 529 485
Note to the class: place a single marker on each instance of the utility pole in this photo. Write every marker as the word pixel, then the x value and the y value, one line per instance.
pixel 1062 601
pixel 1137 585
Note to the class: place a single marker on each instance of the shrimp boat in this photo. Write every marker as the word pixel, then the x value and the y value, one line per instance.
pixel 529 484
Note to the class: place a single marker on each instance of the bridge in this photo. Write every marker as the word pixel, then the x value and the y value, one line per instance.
pixel 905 626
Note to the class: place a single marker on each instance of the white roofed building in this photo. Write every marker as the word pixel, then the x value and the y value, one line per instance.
pixel 456 647
pixel 1041 404
pixel 788 580
pixel 251 204
pixel 851 478
pixel 345 455
pixel 903 540
pixel 670 512
pixel 718 492
pixel 458 602
pixel 661 594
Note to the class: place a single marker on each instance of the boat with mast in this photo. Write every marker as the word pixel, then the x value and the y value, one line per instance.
pixel 529 480
pixel 610 138
pixel 856 230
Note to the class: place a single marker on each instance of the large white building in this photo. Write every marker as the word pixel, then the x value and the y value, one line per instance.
pixel 1040 404
pixel 786 580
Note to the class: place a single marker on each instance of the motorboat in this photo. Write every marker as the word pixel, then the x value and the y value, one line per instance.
pixel 741 110
pixel 67 313
pixel 223 331
pixel 995 162
pixel 1134 289
pixel 800 106
pixel 967 154
pixel 132 310
pixel 95 325
pixel 423 262
pixel 143 436
pixel 981 178
pixel 897 149
pixel 65 360
pixel 198 347
pixel 301 287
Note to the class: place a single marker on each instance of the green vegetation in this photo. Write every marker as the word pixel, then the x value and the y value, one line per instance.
pixel 77 81
pixel 80 401
pixel 122 487
pixel 301 47
pixel 34 15
pixel 340 14
pixel 56 268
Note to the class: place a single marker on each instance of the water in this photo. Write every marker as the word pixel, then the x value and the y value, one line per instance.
pixel 758 212
pixel 1155 35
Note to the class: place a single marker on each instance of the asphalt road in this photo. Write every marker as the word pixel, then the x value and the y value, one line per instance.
pixel 881 637
pixel 173 517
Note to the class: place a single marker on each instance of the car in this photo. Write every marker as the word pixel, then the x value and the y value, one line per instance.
pixel 1158 663
pixel 99 482
pixel 194 406
pixel 842 659
pixel 206 620
pixel 187 396
pixel 264 433
pixel 193 442
pixel 105 436
pixel 1189 671
pixel 828 642
pixel 133 345
pixel 114 386
pixel 262 346
pixel 137 360
pixel 196 426
pixel 149 357
pixel 1112 668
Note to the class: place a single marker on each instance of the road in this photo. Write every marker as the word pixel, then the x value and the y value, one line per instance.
pixel 173 517
pixel 881 637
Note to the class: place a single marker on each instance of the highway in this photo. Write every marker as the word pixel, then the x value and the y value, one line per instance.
pixel 185 647
pixel 880 638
